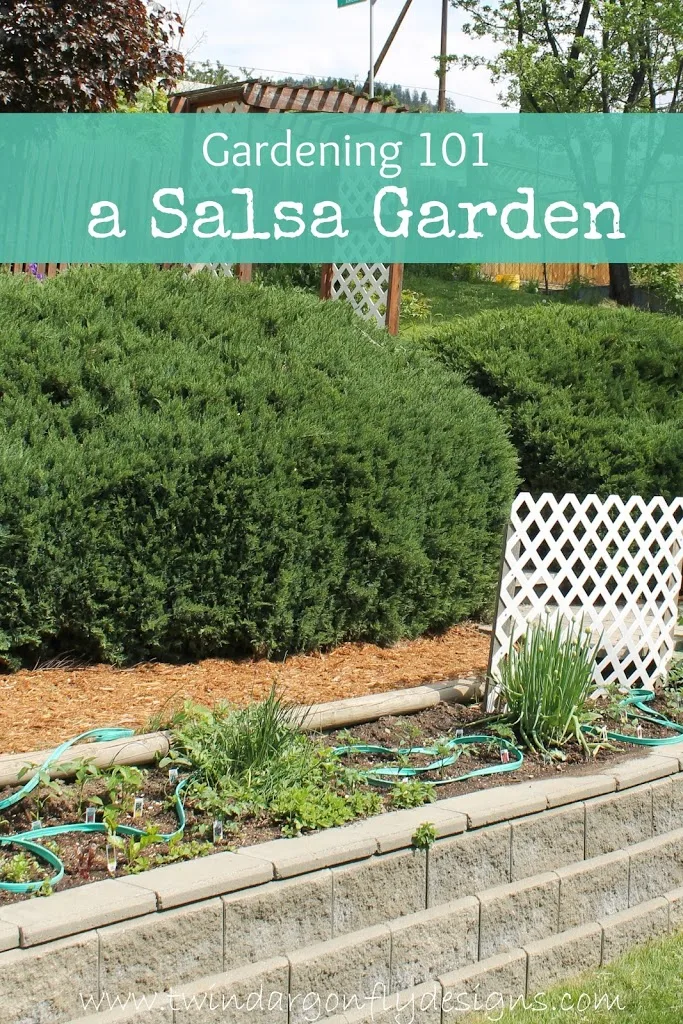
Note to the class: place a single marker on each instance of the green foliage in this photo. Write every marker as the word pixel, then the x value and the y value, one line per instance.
pixel 424 836
pixel 663 280
pixel 411 793
pixel 545 681
pixel 258 745
pixel 19 868
pixel 591 396
pixel 191 467
pixel 415 306
pixel 308 808
pixel 147 101
pixel 305 276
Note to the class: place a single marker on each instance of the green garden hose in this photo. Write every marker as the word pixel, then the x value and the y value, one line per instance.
pixel 391 775
pixel 638 698
pixel 27 840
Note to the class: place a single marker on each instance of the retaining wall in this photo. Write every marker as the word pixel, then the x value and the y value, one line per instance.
pixel 525 885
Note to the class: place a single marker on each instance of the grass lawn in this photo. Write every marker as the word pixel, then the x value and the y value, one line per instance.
pixel 453 299
pixel 643 987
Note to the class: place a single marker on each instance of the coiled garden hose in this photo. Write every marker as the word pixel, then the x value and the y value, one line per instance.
pixel 640 698
pixel 391 775
pixel 27 840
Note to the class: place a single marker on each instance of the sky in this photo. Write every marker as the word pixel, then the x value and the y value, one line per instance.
pixel 314 37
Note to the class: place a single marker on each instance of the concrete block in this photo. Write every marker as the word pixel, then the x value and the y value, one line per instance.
pixel 9 935
pixel 488 986
pixel 221 873
pixel 160 951
pixel 50 984
pixel 562 956
pixel 662 805
pixel 434 942
pixel 632 927
pixel 337 976
pixel 421 1005
pixel 614 822
pixel 512 915
pixel 675 901
pixel 499 804
pixel 467 864
pixel 276 918
pixel 593 889
pixel 77 910
pixel 543 842
pixel 378 889
pixel 639 770
pixel 258 992
pixel 656 867
pixel 677 801
pixel 289 857
pixel 157 1015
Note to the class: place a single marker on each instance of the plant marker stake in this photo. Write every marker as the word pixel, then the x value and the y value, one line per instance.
pixel 111 859
pixel 459 733
pixel 38 823
pixel 218 831
pixel 138 806
pixel 172 775
pixel 603 734
pixel 505 757
pixel 90 814
pixel 639 731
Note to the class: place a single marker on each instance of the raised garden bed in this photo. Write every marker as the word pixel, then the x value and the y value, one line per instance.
pixel 338 795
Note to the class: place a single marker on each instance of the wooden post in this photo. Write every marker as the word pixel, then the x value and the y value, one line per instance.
pixel 179 105
pixel 393 314
pixel 244 272
pixel 442 57
pixel 326 281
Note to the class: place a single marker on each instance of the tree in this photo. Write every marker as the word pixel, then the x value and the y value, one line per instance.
pixel 81 56
pixel 583 56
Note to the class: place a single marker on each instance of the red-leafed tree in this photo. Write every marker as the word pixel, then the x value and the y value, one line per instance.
pixel 79 55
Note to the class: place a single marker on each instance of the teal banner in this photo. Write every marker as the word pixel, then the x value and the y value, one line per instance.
pixel 419 188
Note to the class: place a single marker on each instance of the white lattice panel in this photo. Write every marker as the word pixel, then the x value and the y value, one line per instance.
pixel 365 286
pixel 614 563
pixel 216 269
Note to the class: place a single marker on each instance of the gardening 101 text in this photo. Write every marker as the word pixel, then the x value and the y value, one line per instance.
pixel 457 209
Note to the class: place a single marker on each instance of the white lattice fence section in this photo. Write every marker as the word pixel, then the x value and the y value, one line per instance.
pixel 615 564
pixel 365 286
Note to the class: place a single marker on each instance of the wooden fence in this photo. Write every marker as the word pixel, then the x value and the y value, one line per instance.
pixel 559 274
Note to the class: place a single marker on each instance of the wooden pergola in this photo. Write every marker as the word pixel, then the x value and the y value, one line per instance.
pixel 256 97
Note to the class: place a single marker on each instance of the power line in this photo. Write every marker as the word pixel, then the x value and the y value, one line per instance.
pixel 309 74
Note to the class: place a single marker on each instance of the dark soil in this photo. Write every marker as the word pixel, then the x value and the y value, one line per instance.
pixel 84 855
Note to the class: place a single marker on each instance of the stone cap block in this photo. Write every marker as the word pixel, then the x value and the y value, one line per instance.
pixel 9 935
pixel 642 769
pixel 289 857
pixel 498 804
pixel 77 910
pixel 192 880
pixel 395 829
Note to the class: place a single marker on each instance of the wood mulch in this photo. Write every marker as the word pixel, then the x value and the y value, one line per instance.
pixel 43 707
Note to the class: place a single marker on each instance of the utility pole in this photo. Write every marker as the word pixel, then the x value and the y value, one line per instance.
pixel 442 56
pixel 371 80
pixel 387 45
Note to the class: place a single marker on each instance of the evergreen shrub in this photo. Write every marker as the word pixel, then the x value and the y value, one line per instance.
pixel 592 396
pixel 193 467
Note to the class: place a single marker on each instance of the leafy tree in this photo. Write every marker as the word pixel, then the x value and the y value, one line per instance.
pixel 583 56
pixel 78 57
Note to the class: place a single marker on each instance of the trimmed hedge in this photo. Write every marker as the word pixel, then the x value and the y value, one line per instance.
pixel 192 467
pixel 592 396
